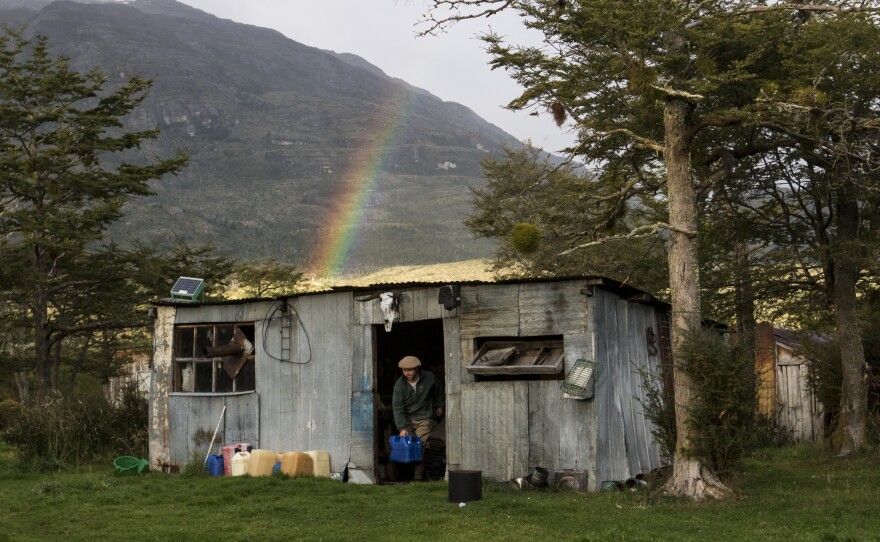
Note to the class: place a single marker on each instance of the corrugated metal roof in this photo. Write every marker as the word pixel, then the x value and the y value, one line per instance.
pixel 624 290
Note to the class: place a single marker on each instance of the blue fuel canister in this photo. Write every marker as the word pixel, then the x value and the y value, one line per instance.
pixel 214 465
pixel 406 449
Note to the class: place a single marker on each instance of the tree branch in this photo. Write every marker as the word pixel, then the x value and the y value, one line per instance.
pixel 636 233
pixel 648 143
pixel 481 9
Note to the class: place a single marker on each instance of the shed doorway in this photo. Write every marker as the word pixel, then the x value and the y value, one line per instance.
pixel 423 339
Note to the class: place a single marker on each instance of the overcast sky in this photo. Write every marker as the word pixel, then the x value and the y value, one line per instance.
pixel 452 66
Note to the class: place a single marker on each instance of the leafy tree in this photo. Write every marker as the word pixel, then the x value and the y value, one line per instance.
pixel 823 211
pixel 266 277
pixel 63 178
pixel 539 212
pixel 680 87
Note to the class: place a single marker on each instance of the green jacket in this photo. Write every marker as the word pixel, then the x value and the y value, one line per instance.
pixel 416 404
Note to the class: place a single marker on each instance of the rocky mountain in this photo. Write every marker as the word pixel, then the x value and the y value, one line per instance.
pixel 290 145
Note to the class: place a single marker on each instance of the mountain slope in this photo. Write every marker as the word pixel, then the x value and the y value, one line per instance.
pixel 289 143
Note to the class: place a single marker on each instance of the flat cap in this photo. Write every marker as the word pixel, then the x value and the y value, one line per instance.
pixel 409 362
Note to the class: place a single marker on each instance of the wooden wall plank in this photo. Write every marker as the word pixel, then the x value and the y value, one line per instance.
pixel 552 308
pixel 494 421
pixel 415 305
pixel 193 419
pixel 159 427
pixel 453 431
pixel 363 406
pixel 545 424
pixel 611 446
pixel 643 317
pixel 454 373
pixel 623 387
pixel 232 313
pixel 579 416
pixel 489 311
pixel 313 408
pixel 765 357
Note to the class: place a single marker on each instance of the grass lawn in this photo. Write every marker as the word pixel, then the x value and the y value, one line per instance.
pixel 796 494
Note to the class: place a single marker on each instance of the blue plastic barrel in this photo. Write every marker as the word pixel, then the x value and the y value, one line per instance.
pixel 215 465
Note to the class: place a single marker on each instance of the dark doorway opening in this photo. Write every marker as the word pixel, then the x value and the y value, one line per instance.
pixel 423 339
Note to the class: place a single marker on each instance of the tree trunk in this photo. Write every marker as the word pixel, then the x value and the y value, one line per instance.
pixel 56 361
pixel 744 294
pixel 77 365
pixel 690 478
pixel 854 387
pixel 23 384
pixel 42 344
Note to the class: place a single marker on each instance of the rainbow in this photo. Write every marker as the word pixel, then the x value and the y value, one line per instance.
pixel 342 229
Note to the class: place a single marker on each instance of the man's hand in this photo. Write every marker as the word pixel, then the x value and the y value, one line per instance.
pixel 438 412
pixel 403 433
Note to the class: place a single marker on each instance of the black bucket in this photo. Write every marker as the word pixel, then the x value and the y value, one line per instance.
pixel 465 485
pixel 539 477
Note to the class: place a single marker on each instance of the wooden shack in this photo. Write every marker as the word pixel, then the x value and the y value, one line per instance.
pixel 783 393
pixel 318 370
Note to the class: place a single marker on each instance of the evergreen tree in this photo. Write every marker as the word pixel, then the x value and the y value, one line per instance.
pixel 683 87
pixel 64 178
pixel 266 278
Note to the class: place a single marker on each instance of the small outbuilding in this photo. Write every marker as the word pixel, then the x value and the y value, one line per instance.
pixel 783 393
pixel 536 373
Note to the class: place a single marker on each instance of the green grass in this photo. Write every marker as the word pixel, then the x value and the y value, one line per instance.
pixel 796 494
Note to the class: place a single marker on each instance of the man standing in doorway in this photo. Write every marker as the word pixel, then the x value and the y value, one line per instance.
pixel 417 398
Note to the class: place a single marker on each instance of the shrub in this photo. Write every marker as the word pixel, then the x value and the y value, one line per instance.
pixel 9 410
pixel 58 431
pixel 723 414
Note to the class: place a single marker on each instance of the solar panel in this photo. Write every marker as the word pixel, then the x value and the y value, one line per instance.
pixel 188 288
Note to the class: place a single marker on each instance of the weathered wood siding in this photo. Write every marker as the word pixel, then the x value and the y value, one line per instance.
pixel 506 428
pixel 193 418
pixel 315 380
pixel 765 368
pixel 180 422
pixel 203 314
pixel 160 386
pixel 306 402
pixel 414 305
pixel 625 445
pixel 495 429
pixel 798 410
pixel 454 376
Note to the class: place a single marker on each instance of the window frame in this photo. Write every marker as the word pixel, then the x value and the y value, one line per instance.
pixel 547 355
pixel 189 368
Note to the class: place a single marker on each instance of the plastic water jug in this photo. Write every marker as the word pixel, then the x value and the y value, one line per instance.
pixel 240 463
pixel 296 464
pixel 262 462
pixel 320 463
pixel 406 449
pixel 228 453
pixel 214 465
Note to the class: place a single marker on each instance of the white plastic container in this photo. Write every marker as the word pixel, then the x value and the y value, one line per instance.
pixel 320 463
pixel 240 463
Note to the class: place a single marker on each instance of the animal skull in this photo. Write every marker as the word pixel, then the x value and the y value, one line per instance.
pixel 389 305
